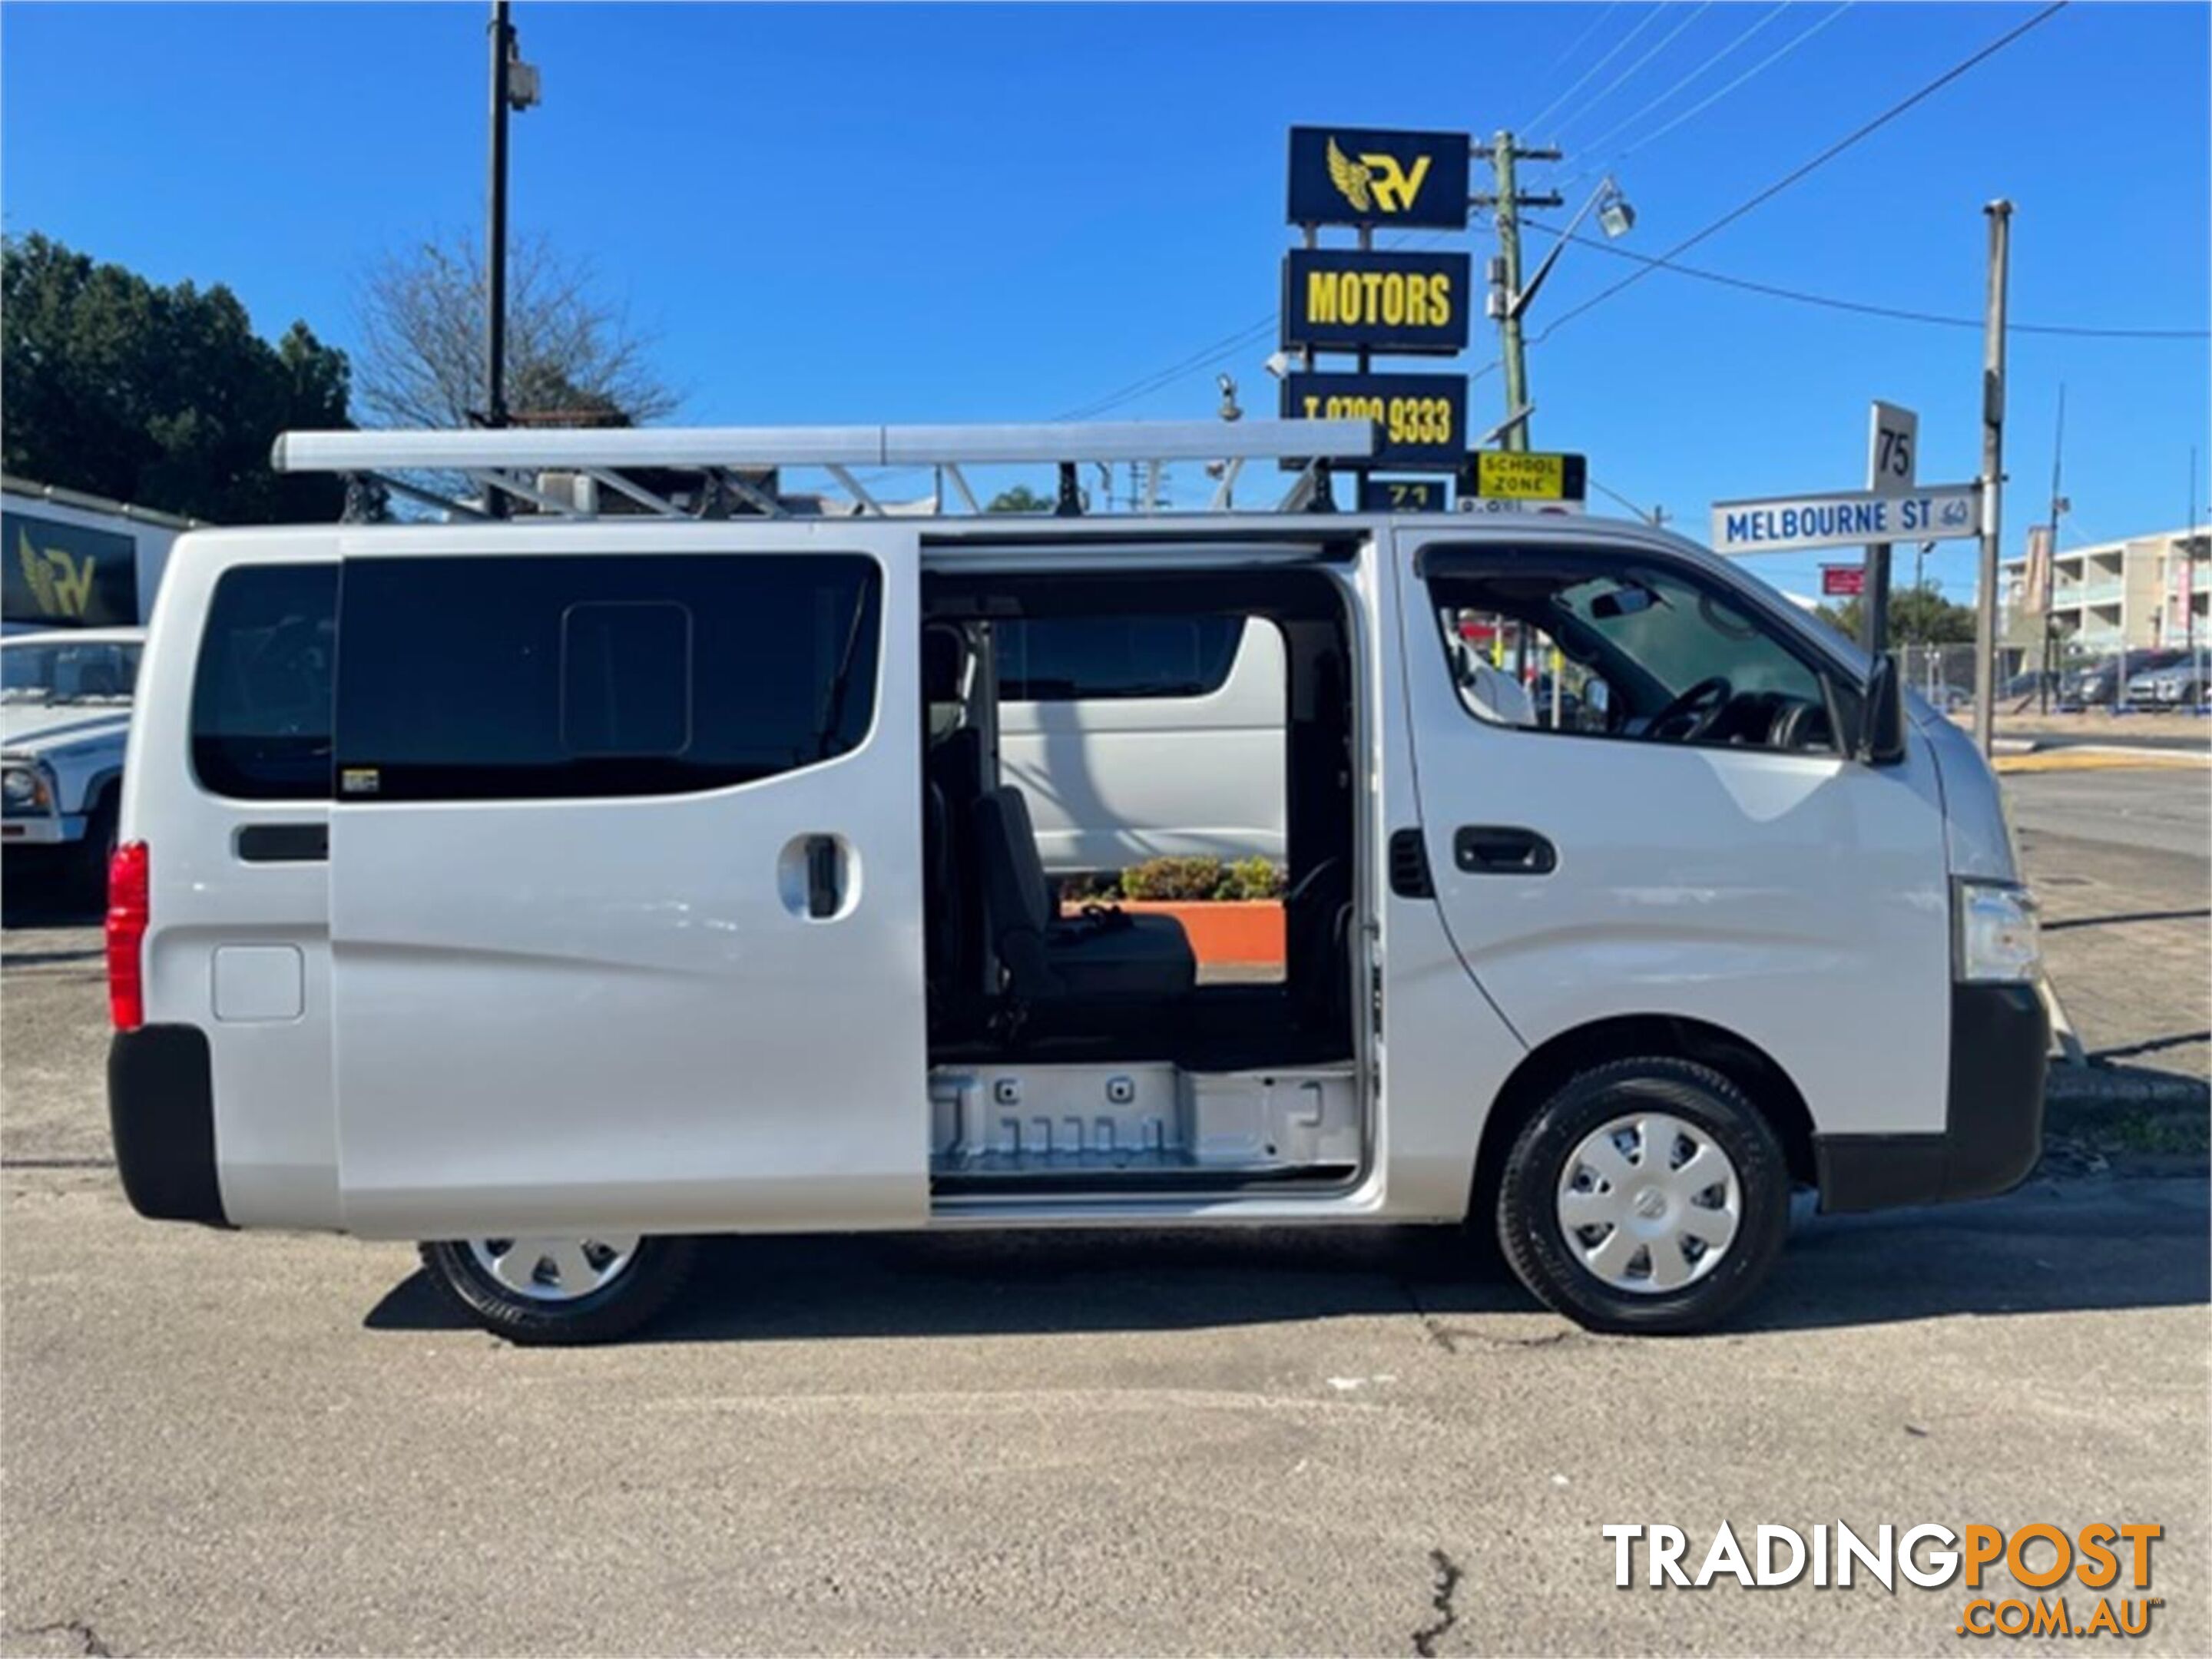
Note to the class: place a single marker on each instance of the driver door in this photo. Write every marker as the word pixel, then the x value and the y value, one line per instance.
pixel 1671 846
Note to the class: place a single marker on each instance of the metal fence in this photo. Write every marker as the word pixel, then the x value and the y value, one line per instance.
pixel 2143 681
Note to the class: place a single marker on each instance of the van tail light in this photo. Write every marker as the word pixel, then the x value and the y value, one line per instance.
pixel 129 895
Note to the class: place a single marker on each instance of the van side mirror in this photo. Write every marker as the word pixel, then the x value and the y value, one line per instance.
pixel 1879 740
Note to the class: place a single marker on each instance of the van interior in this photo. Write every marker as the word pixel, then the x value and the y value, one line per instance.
pixel 1083 1046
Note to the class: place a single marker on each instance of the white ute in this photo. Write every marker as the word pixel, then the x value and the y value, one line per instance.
pixel 558 889
pixel 64 713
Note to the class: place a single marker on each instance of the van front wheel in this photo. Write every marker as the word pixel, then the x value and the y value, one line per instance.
pixel 1647 1195
pixel 554 1291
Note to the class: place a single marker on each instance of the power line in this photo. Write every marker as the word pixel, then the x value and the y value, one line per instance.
pixel 1714 97
pixel 1582 39
pixel 1620 127
pixel 1648 19
pixel 1621 79
pixel 1795 175
pixel 1898 313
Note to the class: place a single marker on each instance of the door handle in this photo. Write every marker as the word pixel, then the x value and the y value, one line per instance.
pixel 1502 849
pixel 825 876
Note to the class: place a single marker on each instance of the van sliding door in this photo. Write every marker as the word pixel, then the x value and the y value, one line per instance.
pixel 625 863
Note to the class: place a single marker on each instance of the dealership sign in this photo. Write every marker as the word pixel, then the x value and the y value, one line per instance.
pixel 1405 494
pixel 1356 176
pixel 61 575
pixel 1355 299
pixel 1420 420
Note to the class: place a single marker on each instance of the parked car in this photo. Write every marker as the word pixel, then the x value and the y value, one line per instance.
pixel 1142 737
pixel 2100 685
pixel 64 712
pixel 2181 684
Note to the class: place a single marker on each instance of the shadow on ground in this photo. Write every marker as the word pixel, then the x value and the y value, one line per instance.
pixel 2057 1246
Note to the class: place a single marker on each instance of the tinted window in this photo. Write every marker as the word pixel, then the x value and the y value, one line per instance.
pixel 261 695
pixel 1621 649
pixel 490 678
pixel 1065 658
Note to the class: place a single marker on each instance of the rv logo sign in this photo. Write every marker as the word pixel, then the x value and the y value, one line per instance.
pixel 1376 178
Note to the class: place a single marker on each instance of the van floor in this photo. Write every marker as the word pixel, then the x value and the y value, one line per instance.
pixel 1216 1028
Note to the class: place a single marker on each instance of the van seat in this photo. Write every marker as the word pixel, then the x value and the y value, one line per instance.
pixel 1050 960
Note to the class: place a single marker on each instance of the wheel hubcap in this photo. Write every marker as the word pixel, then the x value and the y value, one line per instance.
pixel 554 1269
pixel 1650 1203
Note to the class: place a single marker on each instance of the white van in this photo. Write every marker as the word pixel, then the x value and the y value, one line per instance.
pixel 1142 737
pixel 558 890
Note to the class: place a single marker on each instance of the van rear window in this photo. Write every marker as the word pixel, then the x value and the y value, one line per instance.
pixel 261 694
pixel 548 676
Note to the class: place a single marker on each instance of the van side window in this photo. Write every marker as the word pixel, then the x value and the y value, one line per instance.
pixel 1610 645
pixel 261 693
pixel 1075 658
pixel 497 677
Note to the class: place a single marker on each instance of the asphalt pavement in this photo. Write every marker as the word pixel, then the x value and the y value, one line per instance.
pixel 1277 1442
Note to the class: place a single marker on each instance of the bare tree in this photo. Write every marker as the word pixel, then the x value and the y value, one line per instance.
pixel 569 348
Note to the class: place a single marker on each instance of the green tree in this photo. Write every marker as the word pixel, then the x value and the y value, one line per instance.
pixel 1918 616
pixel 1020 499
pixel 164 397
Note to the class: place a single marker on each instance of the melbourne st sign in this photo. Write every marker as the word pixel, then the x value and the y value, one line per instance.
pixel 1850 518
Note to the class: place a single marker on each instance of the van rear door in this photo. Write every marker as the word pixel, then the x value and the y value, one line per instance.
pixel 626 902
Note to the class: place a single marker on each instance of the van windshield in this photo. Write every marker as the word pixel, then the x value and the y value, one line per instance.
pixel 72 672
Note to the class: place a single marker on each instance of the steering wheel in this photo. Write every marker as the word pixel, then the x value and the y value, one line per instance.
pixel 1701 706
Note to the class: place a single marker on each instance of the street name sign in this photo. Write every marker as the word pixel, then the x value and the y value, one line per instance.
pixel 1420 420
pixel 1358 176
pixel 1848 518
pixel 1357 300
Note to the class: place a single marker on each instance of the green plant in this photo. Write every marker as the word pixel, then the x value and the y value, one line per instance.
pixel 1253 879
pixel 1173 878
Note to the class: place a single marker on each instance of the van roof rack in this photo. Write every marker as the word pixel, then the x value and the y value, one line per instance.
pixel 563 472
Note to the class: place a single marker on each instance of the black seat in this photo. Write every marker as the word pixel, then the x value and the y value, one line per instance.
pixel 1050 960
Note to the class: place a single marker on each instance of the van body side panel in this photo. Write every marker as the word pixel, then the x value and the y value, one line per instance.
pixel 1797 900
pixel 1445 1051
pixel 276 1129
pixel 630 1014
pixel 1112 781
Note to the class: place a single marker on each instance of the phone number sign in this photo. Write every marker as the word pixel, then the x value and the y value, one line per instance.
pixel 1420 420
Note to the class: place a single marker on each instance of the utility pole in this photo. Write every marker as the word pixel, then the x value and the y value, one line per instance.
pixel 1993 407
pixel 2050 555
pixel 502 54
pixel 1506 202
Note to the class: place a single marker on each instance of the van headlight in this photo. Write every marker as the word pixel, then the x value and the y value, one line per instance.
pixel 1997 939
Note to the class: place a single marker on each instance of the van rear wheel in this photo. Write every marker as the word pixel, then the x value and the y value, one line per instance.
pixel 1647 1195
pixel 554 1291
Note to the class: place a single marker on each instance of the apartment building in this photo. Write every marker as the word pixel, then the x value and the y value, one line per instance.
pixel 2130 595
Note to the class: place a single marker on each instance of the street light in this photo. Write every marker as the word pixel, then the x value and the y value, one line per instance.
pixel 1615 217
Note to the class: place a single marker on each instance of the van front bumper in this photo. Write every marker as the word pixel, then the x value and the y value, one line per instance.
pixel 1993 1118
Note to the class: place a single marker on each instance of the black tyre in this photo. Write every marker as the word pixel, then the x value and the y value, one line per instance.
pixel 560 1292
pixel 1647 1195
pixel 90 858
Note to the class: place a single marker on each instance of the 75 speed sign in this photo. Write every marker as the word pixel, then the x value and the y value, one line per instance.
pixel 1420 420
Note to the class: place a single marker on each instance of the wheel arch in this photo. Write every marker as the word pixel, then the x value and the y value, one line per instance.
pixel 1546 1068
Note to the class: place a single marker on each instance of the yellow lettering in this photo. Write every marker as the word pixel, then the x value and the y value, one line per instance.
pixel 1320 297
pixel 1440 299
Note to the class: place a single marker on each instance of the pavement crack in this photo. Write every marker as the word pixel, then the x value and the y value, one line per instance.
pixel 1448 1578
pixel 88 1639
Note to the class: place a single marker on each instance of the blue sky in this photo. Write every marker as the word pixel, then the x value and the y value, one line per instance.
pixel 850 213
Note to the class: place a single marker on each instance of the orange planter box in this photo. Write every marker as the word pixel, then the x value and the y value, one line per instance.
pixel 1246 932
